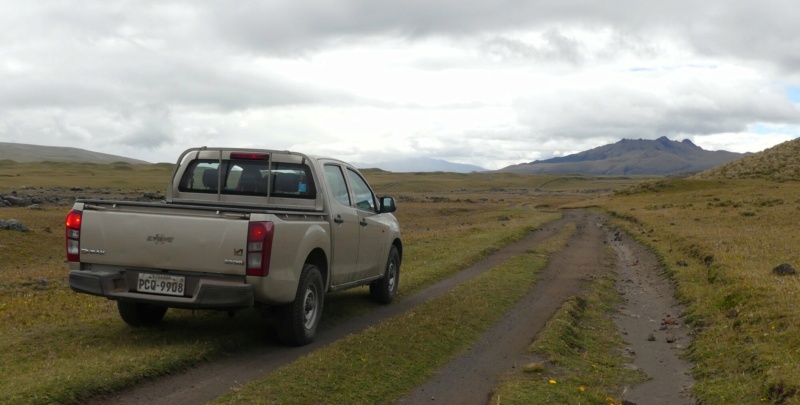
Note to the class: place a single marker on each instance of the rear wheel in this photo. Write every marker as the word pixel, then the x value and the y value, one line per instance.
pixel 298 320
pixel 384 290
pixel 140 314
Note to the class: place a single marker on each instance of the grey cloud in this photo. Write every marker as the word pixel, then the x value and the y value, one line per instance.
pixel 146 126
pixel 765 31
pixel 616 111
pixel 557 47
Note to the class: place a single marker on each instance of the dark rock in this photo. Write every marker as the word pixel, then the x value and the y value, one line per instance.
pixel 784 270
pixel 14 225
pixel 154 196
pixel 15 201
pixel 682 263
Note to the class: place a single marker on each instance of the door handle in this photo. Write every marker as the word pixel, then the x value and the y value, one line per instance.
pixel 363 222
pixel 338 219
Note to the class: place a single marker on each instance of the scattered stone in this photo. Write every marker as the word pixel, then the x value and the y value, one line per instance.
pixel 14 201
pixel 784 270
pixel 670 339
pixel 682 263
pixel 13 225
pixel 35 207
pixel 651 338
pixel 153 196
pixel 669 321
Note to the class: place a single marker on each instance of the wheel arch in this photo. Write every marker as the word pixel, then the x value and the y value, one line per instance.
pixel 399 245
pixel 318 258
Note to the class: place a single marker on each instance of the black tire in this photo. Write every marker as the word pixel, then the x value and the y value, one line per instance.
pixel 384 290
pixel 139 314
pixel 298 320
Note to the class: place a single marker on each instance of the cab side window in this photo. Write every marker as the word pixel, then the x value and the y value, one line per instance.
pixel 337 184
pixel 365 200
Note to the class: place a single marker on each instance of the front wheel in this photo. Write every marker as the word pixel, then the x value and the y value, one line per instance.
pixel 298 320
pixel 140 314
pixel 384 290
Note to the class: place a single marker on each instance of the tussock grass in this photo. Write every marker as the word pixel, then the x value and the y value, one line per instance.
pixel 720 241
pixel 778 163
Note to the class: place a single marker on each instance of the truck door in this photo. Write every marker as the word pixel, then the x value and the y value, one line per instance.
pixel 371 232
pixel 344 228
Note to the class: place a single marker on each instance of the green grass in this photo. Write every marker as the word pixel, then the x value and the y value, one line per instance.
pixel 384 362
pixel 583 356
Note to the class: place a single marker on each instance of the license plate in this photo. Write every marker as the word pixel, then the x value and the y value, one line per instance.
pixel 161 284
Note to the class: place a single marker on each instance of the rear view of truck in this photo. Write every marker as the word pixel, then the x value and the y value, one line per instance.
pixel 239 228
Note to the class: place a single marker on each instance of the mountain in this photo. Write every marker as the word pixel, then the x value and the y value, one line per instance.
pixel 632 157
pixel 421 164
pixel 22 153
pixel 780 163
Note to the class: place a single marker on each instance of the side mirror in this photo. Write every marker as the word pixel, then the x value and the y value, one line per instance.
pixel 387 205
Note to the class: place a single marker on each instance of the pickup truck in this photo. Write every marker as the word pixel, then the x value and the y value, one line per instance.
pixel 239 228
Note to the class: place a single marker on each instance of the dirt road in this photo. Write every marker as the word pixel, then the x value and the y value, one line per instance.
pixel 470 378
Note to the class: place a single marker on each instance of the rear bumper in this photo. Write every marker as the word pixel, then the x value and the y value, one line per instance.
pixel 201 292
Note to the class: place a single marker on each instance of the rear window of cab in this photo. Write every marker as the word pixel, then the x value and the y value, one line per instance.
pixel 249 177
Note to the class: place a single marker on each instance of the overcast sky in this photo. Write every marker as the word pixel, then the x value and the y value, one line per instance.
pixel 489 83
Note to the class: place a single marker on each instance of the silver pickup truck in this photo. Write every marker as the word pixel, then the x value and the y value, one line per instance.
pixel 240 228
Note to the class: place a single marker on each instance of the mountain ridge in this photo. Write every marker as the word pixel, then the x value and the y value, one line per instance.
pixel 26 153
pixel 660 156
pixel 421 164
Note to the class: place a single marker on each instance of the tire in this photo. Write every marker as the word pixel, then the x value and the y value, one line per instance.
pixel 139 314
pixel 384 290
pixel 298 320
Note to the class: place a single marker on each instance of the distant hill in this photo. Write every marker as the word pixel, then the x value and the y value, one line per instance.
pixel 23 153
pixel 421 164
pixel 632 157
pixel 780 162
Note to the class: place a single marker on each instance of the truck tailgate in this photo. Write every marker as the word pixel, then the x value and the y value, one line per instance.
pixel 201 241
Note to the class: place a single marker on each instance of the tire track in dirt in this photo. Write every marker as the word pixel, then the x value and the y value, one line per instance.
pixel 207 381
pixel 470 378
pixel 650 324
pixel 649 296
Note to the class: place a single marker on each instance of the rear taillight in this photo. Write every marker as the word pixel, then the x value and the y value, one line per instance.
pixel 259 248
pixel 73 223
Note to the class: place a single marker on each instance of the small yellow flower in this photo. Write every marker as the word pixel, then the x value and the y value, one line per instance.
pixel 582 388
pixel 552 381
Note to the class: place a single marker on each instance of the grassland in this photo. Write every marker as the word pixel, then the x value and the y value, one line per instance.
pixel 63 347
pixel 718 240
